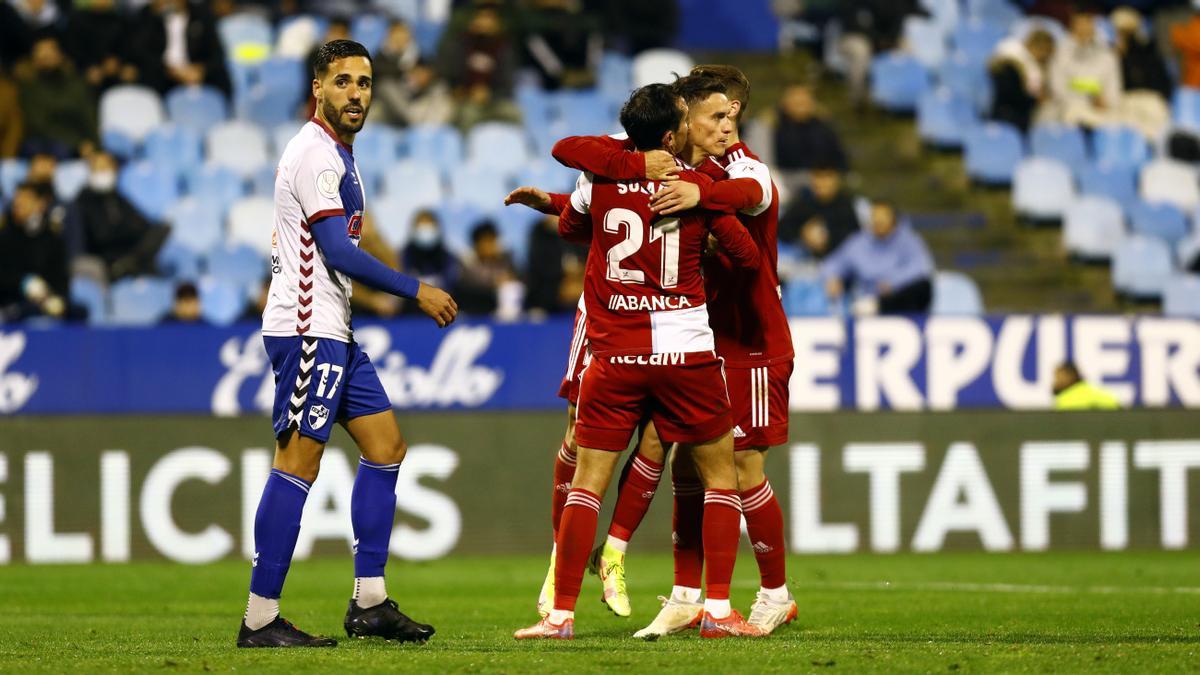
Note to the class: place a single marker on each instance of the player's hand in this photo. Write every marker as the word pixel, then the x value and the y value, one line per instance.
pixel 660 165
pixel 437 304
pixel 676 197
pixel 529 196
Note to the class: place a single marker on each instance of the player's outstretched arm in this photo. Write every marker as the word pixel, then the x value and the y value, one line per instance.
pixel 736 241
pixel 614 158
pixel 549 203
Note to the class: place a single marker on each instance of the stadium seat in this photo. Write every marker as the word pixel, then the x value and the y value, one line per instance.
pixel 415 183
pixel 548 175
pixel 583 111
pixel 266 106
pixel 457 221
pixel 976 39
pixel 535 106
pixel 170 145
pixel 221 301
pixel 1181 296
pixel 1115 181
pixel 441 146
pixel 376 149
pixel 925 40
pixel 153 189
pixel 251 221
pixel 992 153
pixel 238 264
pixel 1092 227
pixel 69 178
pixel 1188 249
pixel 131 110
pixel 967 79
pixel 141 301
pixel 88 292
pixel 614 78
pixel 1027 24
pixel 1042 188
pixel 369 30
pixel 247 37
pixel 282 134
pixel 897 82
pixel 497 146
pixel 1185 108
pixel 1161 220
pixel 1119 145
pixel 238 146
pixel 1172 182
pixel 480 186
pixel 1141 267
pixel 12 173
pixel 944 118
pixel 118 144
pixel 393 217
pixel 296 35
pixel 515 224
pixel 944 13
pixel 805 297
pixel 660 65
pixel 196 223
pixel 262 183
pixel 1059 141
pixel 955 293
pixel 1000 13
pixel 198 107
pixel 216 185
pixel 178 261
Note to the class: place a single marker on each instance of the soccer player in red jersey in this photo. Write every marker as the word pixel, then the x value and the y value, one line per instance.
pixel 653 357
pixel 752 337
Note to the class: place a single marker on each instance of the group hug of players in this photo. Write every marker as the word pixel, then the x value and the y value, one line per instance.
pixel 680 336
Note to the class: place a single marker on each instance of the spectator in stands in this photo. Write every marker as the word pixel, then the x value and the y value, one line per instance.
pixel 547 272
pixel 1019 73
pixel 392 63
pixel 186 307
pixel 12 122
pixel 562 42
pixel 1085 76
pixel 1185 37
pixel 34 279
pixel 1143 73
pixel 803 138
pixel 107 229
pixel 41 170
pixel 1072 392
pixel 176 43
pixel 889 266
pixel 870 27
pixel 426 257
pixel 429 100
pixel 337 29
pixel 58 110
pixel 478 60
pixel 96 39
pixel 487 269
pixel 637 25
pixel 367 301
pixel 822 217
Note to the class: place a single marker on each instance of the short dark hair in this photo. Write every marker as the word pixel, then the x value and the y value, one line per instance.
pixel 737 85
pixel 696 88
pixel 186 290
pixel 650 112
pixel 42 191
pixel 483 229
pixel 334 50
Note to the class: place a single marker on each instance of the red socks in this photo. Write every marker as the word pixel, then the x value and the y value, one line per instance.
pixel 722 529
pixel 764 522
pixel 686 532
pixel 575 535
pixel 564 473
pixel 633 499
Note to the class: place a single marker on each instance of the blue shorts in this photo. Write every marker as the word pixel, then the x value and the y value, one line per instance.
pixel 318 382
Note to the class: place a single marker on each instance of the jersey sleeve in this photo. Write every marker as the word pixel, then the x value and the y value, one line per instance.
pixel 581 198
pixel 733 195
pixel 602 155
pixel 316 181
pixel 749 167
pixel 736 241
pixel 575 222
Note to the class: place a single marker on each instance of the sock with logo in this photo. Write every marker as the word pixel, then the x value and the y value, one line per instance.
pixel 764 524
pixel 372 514
pixel 634 496
pixel 564 473
pixel 687 522
pixel 722 529
pixel 276 528
pixel 575 536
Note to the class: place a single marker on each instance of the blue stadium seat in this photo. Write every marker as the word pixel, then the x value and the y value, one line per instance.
pixel 251 222
pixel 1000 13
pixel 132 110
pixel 614 78
pixel 944 13
pixel 216 185
pixel 414 182
pixel 1188 249
pixel 498 146
pixel 548 175
pixel 153 189
pixel 583 111
pixel 660 65
pixel 955 293
pixel 12 173
pixel 198 107
pixel 992 153
pixel 286 78
pixel 1170 181
pixel 976 38
pixel 1141 267
pixel 393 217
pixel 457 222
pixel 1119 145
pixel 409 10
pixel 262 183
pixel 441 146
pixel 1110 180
pixel 480 186
pixel 178 261
pixel 1185 108
pixel 805 297
pixel 141 301
pixel 943 118
pixel 1042 188
pixel 283 133
pixel 1059 141
pixel 1181 297
pixel 178 147
pixel 376 149
pixel 535 105
pixel 1092 227
pixel 197 223
pixel 221 301
pixel 369 30
pixel 238 264
pixel 1160 220
pixel 968 79
pixel 247 37
pixel 925 39
pixel 515 224
pixel 428 34
pixel 69 179
pixel 239 146
pixel 266 107
pixel 897 81
pixel 88 292
pixel 118 144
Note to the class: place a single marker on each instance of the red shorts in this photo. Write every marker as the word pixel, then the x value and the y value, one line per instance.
pixel 576 361
pixel 683 394
pixel 759 398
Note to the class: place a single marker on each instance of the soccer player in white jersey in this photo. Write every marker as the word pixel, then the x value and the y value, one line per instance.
pixel 321 375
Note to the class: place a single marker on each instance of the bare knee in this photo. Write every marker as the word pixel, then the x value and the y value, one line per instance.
pixel 392 452
pixel 750 468
pixel 300 457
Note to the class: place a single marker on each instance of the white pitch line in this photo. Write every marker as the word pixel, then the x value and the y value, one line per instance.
pixel 953 586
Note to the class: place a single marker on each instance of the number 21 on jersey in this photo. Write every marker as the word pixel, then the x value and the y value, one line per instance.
pixel 635 236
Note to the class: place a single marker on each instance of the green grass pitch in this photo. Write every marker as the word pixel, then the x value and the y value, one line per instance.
pixel 1118 612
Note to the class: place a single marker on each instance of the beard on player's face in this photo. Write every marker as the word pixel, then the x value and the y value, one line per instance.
pixel 338 119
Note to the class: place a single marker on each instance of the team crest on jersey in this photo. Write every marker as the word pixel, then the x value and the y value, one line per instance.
pixel 327 183
pixel 354 226
pixel 318 415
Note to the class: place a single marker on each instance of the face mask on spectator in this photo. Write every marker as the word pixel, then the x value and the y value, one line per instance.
pixel 425 236
pixel 102 181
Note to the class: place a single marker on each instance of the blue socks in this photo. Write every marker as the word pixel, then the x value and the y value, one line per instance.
pixel 276 528
pixel 372 513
